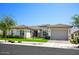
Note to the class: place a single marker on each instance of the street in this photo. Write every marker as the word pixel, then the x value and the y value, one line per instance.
pixel 6 49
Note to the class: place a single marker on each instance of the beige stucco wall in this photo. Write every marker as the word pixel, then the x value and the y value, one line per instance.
pixel 27 34
pixel 16 32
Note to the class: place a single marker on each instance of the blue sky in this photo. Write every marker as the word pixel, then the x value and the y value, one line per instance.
pixel 36 14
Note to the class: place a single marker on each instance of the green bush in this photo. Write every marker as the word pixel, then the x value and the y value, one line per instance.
pixel 74 41
pixel 12 36
pixel 12 41
pixel 19 41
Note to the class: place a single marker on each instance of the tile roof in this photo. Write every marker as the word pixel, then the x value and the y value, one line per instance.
pixel 61 25
pixel 56 25
pixel 22 27
pixel 39 26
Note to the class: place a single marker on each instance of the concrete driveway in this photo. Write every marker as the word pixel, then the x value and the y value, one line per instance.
pixel 59 41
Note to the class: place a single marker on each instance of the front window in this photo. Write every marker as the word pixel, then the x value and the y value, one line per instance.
pixel 45 33
pixel 75 34
pixel 78 33
pixel 21 33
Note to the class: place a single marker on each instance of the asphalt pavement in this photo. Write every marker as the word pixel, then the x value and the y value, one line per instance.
pixel 7 49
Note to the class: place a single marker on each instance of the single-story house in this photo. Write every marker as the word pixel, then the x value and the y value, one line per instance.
pixel 56 32
pixel 75 35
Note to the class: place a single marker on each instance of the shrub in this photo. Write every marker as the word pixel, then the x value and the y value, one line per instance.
pixel 12 41
pixel 19 41
pixel 12 36
pixel 74 41
pixel 1 35
pixel 47 37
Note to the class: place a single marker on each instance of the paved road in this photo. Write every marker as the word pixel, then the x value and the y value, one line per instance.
pixel 6 49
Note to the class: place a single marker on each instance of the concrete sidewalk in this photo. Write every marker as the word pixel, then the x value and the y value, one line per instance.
pixel 48 44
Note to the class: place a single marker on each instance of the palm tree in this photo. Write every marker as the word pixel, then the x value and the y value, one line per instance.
pixel 6 23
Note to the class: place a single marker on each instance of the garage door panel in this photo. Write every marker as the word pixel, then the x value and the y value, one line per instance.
pixel 59 34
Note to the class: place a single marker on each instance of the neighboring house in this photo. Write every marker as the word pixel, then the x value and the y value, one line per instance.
pixel 75 35
pixel 56 32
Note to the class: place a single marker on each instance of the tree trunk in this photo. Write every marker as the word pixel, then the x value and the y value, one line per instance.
pixel 4 34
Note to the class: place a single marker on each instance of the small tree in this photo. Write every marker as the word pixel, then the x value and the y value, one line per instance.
pixel 75 23
pixel 6 23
